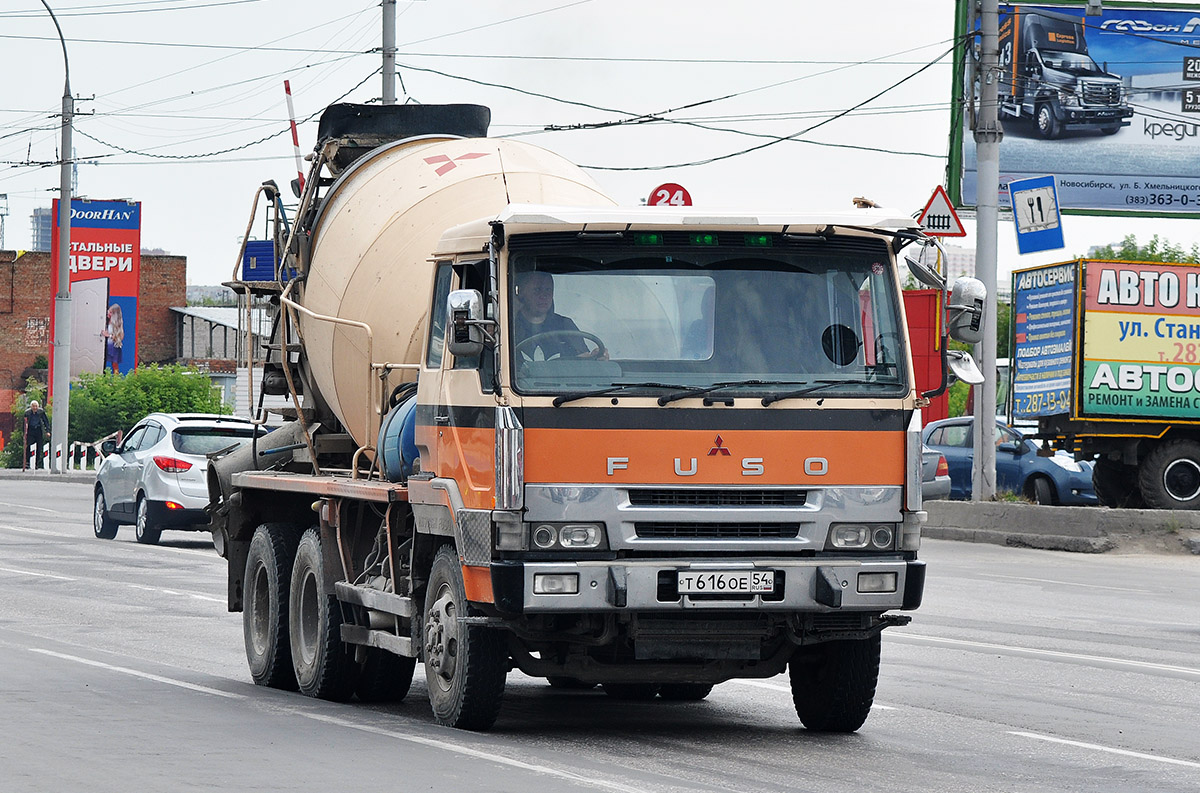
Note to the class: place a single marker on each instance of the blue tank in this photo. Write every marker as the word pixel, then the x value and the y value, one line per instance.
pixel 397 441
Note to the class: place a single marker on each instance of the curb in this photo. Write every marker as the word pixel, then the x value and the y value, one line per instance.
pixel 16 474
pixel 1073 529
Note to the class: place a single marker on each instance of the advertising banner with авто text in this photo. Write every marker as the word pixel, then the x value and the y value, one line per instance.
pixel 105 265
pixel 1109 104
pixel 1043 340
pixel 1141 340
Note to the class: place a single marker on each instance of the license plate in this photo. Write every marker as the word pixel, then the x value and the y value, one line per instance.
pixel 726 582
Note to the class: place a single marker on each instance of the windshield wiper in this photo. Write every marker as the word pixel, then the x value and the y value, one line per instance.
pixel 817 385
pixel 708 389
pixel 562 399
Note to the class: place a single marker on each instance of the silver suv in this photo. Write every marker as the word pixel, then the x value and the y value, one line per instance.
pixel 156 478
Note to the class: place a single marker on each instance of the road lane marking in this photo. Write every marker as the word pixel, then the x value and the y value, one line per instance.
pixel 170 681
pixel 211 555
pixel 29 506
pixel 39 532
pixel 1110 749
pixel 39 575
pixel 181 593
pixel 1068 583
pixel 1008 648
pixel 467 751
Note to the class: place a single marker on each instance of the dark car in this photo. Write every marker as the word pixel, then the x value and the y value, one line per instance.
pixel 1019 468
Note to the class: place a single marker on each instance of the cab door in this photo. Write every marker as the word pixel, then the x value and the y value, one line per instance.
pixel 433 417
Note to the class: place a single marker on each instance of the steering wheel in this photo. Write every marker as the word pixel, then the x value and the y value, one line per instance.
pixel 535 339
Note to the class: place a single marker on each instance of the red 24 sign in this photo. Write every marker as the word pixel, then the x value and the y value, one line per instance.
pixel 669 195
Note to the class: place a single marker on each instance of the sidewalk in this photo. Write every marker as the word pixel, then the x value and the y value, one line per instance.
pixel 47 476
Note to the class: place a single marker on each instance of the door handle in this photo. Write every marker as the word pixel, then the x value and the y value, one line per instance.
pixel 441 419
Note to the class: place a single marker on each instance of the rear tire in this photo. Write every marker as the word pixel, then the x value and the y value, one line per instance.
pixel 833 683
pixel 384 676
pixel 684 692
pixel 265 606
pixel 1169 477
pixel 631 692
pixel 1116 484
pixel 103 526
pixel 465 665
pixel 144 529
pixel 324 665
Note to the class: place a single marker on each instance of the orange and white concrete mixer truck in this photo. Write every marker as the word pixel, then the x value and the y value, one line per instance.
pixel 651 449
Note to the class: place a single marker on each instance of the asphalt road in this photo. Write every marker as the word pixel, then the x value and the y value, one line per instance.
pixel 120 670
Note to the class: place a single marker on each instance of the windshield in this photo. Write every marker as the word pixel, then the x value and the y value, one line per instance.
pixel 761 314
pixel 1078 62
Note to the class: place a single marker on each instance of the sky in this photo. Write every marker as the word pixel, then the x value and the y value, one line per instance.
pixel 182 104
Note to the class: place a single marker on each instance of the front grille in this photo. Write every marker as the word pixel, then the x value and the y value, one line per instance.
pixel 719 531
pixel 717 498
pixel 1101 94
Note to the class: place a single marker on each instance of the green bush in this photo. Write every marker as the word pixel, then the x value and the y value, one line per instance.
pixel 104 403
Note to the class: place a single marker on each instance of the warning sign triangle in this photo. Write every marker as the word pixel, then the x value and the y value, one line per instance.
pixel 939 218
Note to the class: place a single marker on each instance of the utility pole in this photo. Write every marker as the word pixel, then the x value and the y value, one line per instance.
pixel 988 134
pixel 389 52
pixel 61 376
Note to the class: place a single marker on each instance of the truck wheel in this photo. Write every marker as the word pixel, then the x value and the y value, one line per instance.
pixel 684 692
pixel 464 664
pixel 1041 491
pixel 104 526
pixel 384 676
pixel 144 529
pixel 1169 477
pixel 265 606
pixel 833 683
pixel 1116 484
pixel 1047 124
pixel 632 692
pixel 324 666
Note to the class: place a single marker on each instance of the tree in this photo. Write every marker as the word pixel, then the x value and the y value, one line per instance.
pixel 1156 250
pixel 104 403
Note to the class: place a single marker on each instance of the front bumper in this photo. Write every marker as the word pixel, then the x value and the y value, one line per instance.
pixel 823 585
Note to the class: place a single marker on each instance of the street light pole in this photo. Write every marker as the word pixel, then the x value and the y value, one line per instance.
pixel 389 52
pixel 61 376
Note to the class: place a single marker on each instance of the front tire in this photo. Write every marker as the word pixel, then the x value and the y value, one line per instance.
pixel 1046 123
pixel 145 530
pixel 104 527
pixel 1169 477
pixel 265 606
pixel 1042 491
pixel 833 683
pixel 464 664
pixel 324 666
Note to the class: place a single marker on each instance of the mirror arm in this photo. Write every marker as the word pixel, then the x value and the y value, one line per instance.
pixel 937 392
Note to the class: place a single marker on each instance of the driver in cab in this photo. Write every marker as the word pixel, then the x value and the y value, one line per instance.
pixel 537 326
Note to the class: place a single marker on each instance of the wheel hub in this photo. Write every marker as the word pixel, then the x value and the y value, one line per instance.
pixel 1181 480
pixel 441 636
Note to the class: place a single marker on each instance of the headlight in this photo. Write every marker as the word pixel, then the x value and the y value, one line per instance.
pixel 1068 99
pixel 1067 464
pixel 569 536
pixel 861 536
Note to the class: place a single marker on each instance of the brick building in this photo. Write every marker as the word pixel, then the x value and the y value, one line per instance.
pixel 26 300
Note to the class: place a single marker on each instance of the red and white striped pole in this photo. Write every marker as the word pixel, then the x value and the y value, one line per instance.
pixel 287 89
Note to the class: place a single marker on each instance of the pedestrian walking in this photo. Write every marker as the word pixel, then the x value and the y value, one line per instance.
pixel 36 425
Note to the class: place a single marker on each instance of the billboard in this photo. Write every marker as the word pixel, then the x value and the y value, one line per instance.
pixel 105 263
pixel 1043 340
pixel 1141 340
pixel 1109 104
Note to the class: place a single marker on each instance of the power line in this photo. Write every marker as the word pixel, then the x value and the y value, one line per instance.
pixel 77 13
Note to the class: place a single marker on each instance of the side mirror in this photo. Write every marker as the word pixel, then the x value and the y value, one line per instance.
pixel 1012 446
pixel 963 366
pixel 108 447
pixel 964 312
pixel 463 321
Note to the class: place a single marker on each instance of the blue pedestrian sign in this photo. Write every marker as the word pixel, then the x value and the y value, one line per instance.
pixel 1035 211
